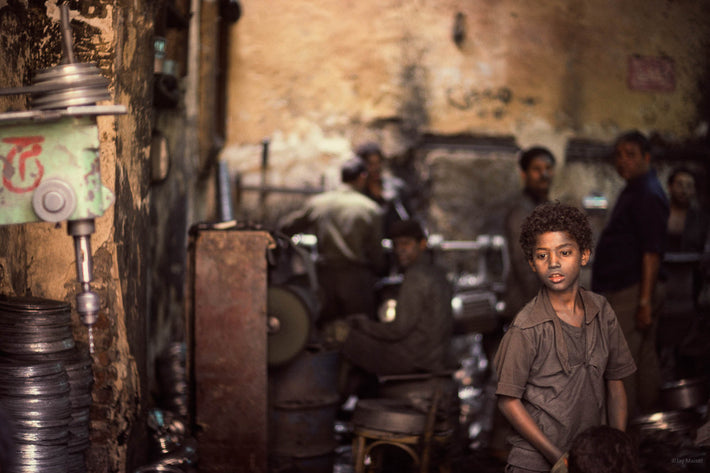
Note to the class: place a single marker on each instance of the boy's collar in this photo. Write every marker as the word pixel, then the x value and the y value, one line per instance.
pixel 540 309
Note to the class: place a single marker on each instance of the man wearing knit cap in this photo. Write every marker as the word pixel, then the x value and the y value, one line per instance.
pixel 418 338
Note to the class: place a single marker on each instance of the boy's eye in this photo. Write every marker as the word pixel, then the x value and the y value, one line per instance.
pixel 566 252
pixel 541 256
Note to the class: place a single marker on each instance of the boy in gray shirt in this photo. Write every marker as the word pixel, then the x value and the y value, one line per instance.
pixel 561 363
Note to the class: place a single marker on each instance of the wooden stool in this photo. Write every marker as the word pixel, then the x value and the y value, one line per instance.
pixel 378 422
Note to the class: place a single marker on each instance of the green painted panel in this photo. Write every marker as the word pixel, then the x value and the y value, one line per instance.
pixel 35 152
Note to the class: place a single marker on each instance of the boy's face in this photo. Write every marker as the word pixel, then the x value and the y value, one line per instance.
pixel 557 261
pixel 408 249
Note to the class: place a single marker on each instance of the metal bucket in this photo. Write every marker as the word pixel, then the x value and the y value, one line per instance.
pixel 303 402
pixel 316 464
pixel 310 377
pixel 684 393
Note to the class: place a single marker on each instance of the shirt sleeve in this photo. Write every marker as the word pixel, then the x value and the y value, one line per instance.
pixel 513 361
pixel 298 221
pixel 418 296
pixel 652 220
pixel 620 363
pixel 373 246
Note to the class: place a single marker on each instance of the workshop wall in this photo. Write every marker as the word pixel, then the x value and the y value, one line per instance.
pixel 320 77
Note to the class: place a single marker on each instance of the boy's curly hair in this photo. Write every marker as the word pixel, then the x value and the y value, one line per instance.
pixel 555 217
pixel 603 449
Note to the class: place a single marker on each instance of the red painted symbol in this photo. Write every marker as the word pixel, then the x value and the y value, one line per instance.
pixel 26 147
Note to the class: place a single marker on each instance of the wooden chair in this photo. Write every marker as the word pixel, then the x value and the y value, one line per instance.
pixel 396 422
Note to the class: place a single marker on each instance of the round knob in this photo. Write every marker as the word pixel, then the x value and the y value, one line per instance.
pixel 54 200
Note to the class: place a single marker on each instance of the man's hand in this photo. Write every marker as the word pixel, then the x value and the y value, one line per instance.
pixel 643 317
pixel 561 465
pixel 513 410
pixel 335 333
pixel 355 320
pixel 341 329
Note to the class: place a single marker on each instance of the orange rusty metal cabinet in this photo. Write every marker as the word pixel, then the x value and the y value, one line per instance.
pixel 226 332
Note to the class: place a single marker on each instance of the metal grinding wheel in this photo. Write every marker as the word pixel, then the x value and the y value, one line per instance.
pixel 289 315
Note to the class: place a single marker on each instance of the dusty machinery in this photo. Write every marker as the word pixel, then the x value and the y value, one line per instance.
pixel 50 161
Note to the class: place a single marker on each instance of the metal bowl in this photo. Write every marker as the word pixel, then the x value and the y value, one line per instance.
pixel 684 393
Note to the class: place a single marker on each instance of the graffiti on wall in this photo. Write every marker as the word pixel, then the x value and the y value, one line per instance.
pixel 489 101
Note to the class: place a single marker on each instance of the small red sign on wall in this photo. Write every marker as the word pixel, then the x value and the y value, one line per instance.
pixel 651 74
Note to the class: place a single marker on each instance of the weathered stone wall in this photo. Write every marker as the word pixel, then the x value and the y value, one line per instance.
pixel 318 78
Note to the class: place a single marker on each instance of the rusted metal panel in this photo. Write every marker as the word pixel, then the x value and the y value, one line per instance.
pixel 228 344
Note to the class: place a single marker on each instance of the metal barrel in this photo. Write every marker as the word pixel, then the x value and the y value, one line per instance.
pixel 303 403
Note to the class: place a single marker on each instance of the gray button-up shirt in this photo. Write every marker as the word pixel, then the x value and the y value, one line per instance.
pixel 563 398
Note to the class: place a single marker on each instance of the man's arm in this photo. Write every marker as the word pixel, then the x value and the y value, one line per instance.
pixel 650 263
pixel 298 221
pixel 617 411
pixel 513 410
pixel 518 260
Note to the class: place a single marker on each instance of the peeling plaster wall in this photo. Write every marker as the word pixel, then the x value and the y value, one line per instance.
pixel 320 77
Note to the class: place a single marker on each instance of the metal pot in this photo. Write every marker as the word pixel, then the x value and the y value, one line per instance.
pixel 684 393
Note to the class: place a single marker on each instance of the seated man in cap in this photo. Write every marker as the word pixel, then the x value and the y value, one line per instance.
pixel 417 340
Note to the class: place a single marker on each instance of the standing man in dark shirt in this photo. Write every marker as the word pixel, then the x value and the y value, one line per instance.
pixel 627 262
pixel 537 168
pixel 686 237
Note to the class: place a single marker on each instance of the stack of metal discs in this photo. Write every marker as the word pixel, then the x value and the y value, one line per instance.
pixel 42 336
pixel 77 364
pixel 30 325
pixel 172 378
pixel 36 397
pixel 81 380
pixel 69 85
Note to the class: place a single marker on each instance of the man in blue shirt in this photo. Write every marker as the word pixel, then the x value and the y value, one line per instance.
pixel 627 262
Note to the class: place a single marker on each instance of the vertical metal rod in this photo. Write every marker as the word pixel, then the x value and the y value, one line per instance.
pixel 67 42
pixel 264 166
pixel 82 250
pixel 224 192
